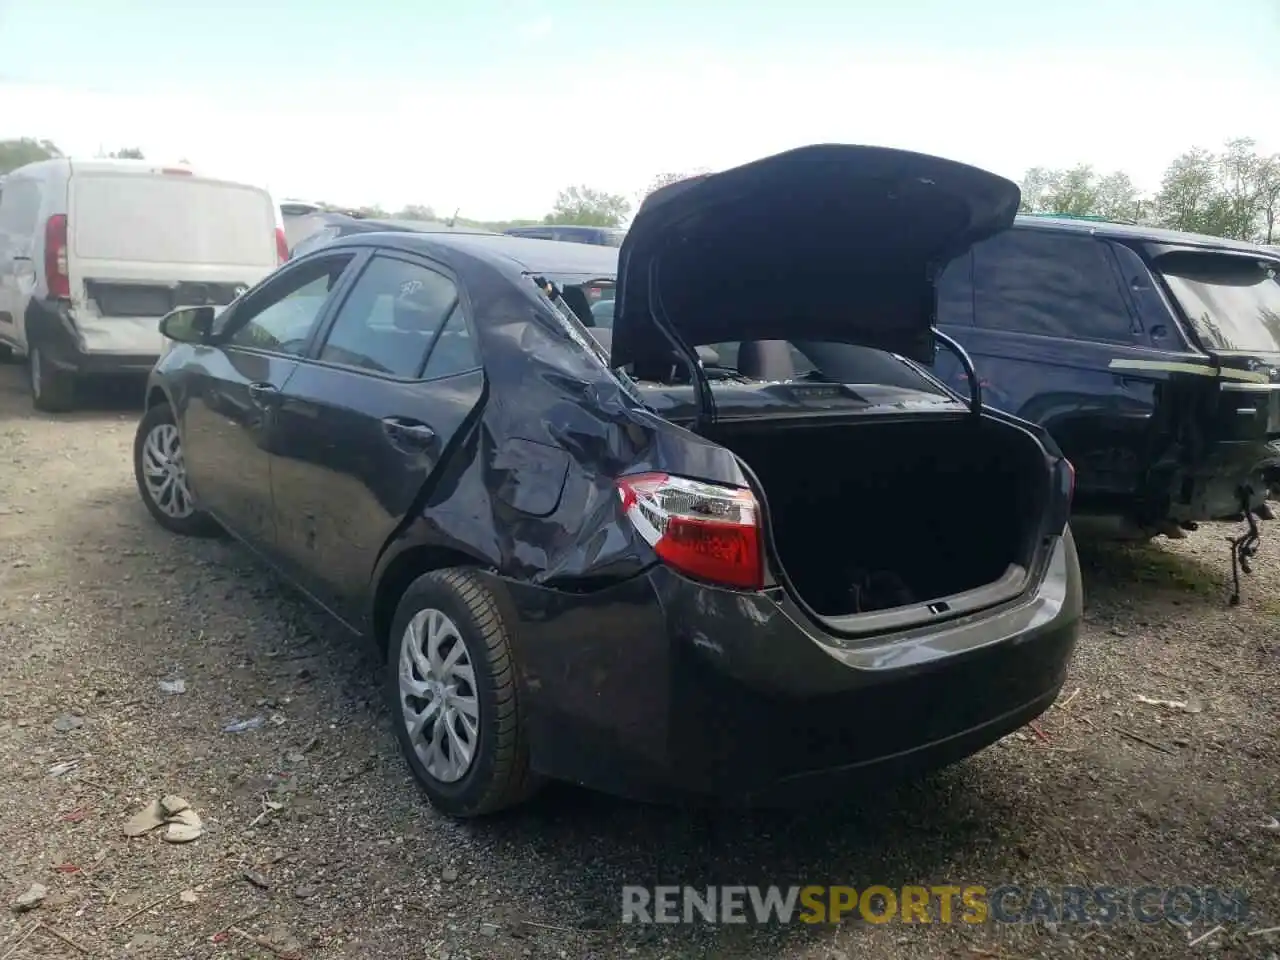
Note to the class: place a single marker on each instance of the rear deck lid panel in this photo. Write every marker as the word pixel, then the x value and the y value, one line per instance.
pixel 827 242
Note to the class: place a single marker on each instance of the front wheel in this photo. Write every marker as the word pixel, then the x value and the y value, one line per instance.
pixel 161 472
pixel 52 390
pixel 451 686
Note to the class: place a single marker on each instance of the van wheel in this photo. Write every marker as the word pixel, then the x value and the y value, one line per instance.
pixel 161 473
pixel 451 686
pixel 52 390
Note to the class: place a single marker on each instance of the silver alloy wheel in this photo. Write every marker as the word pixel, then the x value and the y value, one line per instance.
pixel 438 695
pixel 165 472
pixel 33 360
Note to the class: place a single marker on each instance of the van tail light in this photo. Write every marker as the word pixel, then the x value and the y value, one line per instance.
pixel 704 530
pixel 282 245
pixel 55 257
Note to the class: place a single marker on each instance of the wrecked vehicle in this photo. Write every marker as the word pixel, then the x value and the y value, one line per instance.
pixel 1152 357
pixel 646 573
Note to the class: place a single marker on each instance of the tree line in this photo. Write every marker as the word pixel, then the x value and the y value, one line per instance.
pixel 1232 192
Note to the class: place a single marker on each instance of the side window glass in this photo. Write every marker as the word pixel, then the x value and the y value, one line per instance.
pixel 1053 285
pixel 283 319
pixel 454 351
pixel 955 293
pixel 390 318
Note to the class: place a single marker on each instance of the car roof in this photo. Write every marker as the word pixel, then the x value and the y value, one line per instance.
pixel 549 257
pixel 1137 232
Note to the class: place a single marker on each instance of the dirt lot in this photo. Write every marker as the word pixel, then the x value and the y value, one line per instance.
pixel 316 842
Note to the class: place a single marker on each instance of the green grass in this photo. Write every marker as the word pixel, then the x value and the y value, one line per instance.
pixel 1148 563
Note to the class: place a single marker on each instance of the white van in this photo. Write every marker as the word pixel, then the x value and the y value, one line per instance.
pixel 94 252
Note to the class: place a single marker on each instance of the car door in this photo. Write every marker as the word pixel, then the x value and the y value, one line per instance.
pixel 1050 318
pixel 19 212
pixel 232 391
pixel 367 420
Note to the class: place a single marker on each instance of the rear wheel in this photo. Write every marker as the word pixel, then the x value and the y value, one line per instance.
pixel 451 686
pixel 161 472
pixel 52 390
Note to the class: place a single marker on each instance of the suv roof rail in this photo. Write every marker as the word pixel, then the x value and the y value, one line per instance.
pixel 1084 216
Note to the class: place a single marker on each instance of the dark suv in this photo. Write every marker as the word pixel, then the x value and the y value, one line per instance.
pixel 693 578
pixel 1152 357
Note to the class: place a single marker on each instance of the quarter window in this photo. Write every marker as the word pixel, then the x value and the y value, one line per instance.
pixel 1049 284
pixel 454 351
pixel 391 318
pixel 283 316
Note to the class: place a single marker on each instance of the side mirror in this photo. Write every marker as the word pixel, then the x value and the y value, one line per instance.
pixel 188 324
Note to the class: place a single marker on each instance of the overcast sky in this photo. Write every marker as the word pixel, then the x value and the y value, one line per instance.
pixel 495 106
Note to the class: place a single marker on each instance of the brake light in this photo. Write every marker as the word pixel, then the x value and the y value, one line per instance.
pixel 55 257
pixel 705 530
pixel 282 245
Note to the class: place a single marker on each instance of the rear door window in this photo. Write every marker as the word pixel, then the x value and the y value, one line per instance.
pixel 171 219
pixel 1051 285
pixel 391 317
pixel 1233 302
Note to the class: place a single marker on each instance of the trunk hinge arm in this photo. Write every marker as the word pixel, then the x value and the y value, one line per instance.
pixel 975 387
pixel 706 405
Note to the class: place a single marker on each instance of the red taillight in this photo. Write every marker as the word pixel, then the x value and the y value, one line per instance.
pixel 705 530
pixel 282 245
pixel 55 256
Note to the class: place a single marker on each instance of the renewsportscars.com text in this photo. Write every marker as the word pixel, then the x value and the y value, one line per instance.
pixel 943 903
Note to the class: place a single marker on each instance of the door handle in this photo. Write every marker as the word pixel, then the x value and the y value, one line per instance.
pixel 263 393
pixel 409 433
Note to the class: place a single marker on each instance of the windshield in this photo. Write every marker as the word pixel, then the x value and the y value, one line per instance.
pixel 1232 302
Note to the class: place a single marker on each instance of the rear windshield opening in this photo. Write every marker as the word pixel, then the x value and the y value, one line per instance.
pixel 1233 302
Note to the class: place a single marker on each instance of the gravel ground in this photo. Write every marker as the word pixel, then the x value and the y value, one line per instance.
pixel 317 844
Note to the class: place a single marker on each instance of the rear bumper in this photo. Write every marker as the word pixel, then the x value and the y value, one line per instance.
pixel 52 328
pixel 662 689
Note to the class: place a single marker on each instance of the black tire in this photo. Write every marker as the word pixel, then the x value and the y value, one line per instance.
pixel 499 775
pixel 52 390
pixel 195 524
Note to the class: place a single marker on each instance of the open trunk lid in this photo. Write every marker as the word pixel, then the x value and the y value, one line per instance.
pixel 827 242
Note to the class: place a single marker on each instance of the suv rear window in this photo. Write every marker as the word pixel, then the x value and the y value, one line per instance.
pixel 1233 302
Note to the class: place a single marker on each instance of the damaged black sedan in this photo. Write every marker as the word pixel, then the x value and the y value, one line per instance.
pixel 728 540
